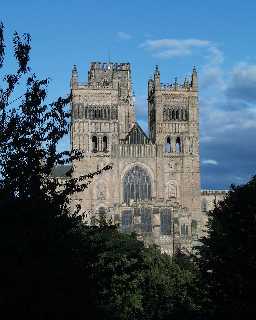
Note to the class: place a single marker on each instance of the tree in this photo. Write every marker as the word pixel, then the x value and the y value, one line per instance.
pixel 227 257
pixel 40 237
pixel 134 282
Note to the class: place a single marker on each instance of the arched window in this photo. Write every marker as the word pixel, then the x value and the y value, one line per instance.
pixel 167 147
pixel 204 205
pixel 173 114
pixel 165 221
pixel 105 144
pixel 178 145
pixel 136 185
pixel 182 114
pixel 102 210
pixel 164 114
pixel 194 229
pixel 126 220
pixel 184 231
pixel 177 114
pixel 146 223
pixel 169 114
pixel 94 144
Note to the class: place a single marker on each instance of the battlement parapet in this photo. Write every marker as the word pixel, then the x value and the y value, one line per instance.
pixel 104 66
pixel 206 192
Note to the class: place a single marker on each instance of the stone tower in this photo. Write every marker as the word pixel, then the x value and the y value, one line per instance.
pixel 103 110
pixel 173 119
pixel 154 186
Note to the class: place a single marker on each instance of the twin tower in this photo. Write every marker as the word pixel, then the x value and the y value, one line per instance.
pixel 153 188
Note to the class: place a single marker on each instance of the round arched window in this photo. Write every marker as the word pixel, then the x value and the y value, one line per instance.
pixel 136 185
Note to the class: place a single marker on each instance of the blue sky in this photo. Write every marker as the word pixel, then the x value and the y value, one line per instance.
pixel 216 36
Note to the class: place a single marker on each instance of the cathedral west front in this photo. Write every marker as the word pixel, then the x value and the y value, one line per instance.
pixel 153 188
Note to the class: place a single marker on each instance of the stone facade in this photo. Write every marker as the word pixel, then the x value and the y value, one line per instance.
pixel 154 185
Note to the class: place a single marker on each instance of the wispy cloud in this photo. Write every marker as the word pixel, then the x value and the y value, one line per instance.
pixel 169 48
pixel 123 35
pixel 242 85
pixel 210 162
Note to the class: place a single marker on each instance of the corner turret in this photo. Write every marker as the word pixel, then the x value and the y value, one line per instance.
pixel 194 80
pixel 74 77
pixel 157 78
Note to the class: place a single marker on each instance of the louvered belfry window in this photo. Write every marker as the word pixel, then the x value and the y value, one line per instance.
pixel 136 185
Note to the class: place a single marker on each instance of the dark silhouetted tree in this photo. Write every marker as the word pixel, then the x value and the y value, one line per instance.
pixel 228 255
pixel 40 237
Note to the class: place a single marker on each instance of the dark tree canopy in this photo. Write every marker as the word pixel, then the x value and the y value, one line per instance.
pixel 228 255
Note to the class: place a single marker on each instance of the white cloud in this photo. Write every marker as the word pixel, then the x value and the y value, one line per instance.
pixel 211 162
pixel 123 35
pixel 215 55
pixel 169 48
pixel 242 84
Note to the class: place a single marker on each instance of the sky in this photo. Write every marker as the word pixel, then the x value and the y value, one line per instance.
pixel 218 37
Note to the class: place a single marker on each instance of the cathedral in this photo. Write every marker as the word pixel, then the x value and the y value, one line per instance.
pixel 153 188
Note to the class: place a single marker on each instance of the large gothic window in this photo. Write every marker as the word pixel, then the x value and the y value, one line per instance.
pixel 136 185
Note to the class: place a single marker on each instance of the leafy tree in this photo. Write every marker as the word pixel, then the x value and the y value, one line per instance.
pixel 40 237
pixel 228 255
pixel 169 286
pixel 134 282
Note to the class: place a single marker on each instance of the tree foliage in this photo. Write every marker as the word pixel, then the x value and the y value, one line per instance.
pixel 228 256
pixel 39 234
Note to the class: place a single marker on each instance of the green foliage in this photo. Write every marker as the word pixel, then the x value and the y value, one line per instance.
pixel 40 237
pixel 228 256
pixel 169 286
pixel 134 282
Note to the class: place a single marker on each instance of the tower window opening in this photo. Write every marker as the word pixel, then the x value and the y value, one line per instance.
pixel 178 145
pixel 164 114
pixel 94 144
pixel 167 147
pixel 177 114
pixel 173 114
pixel 182 114
pixel 105 144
